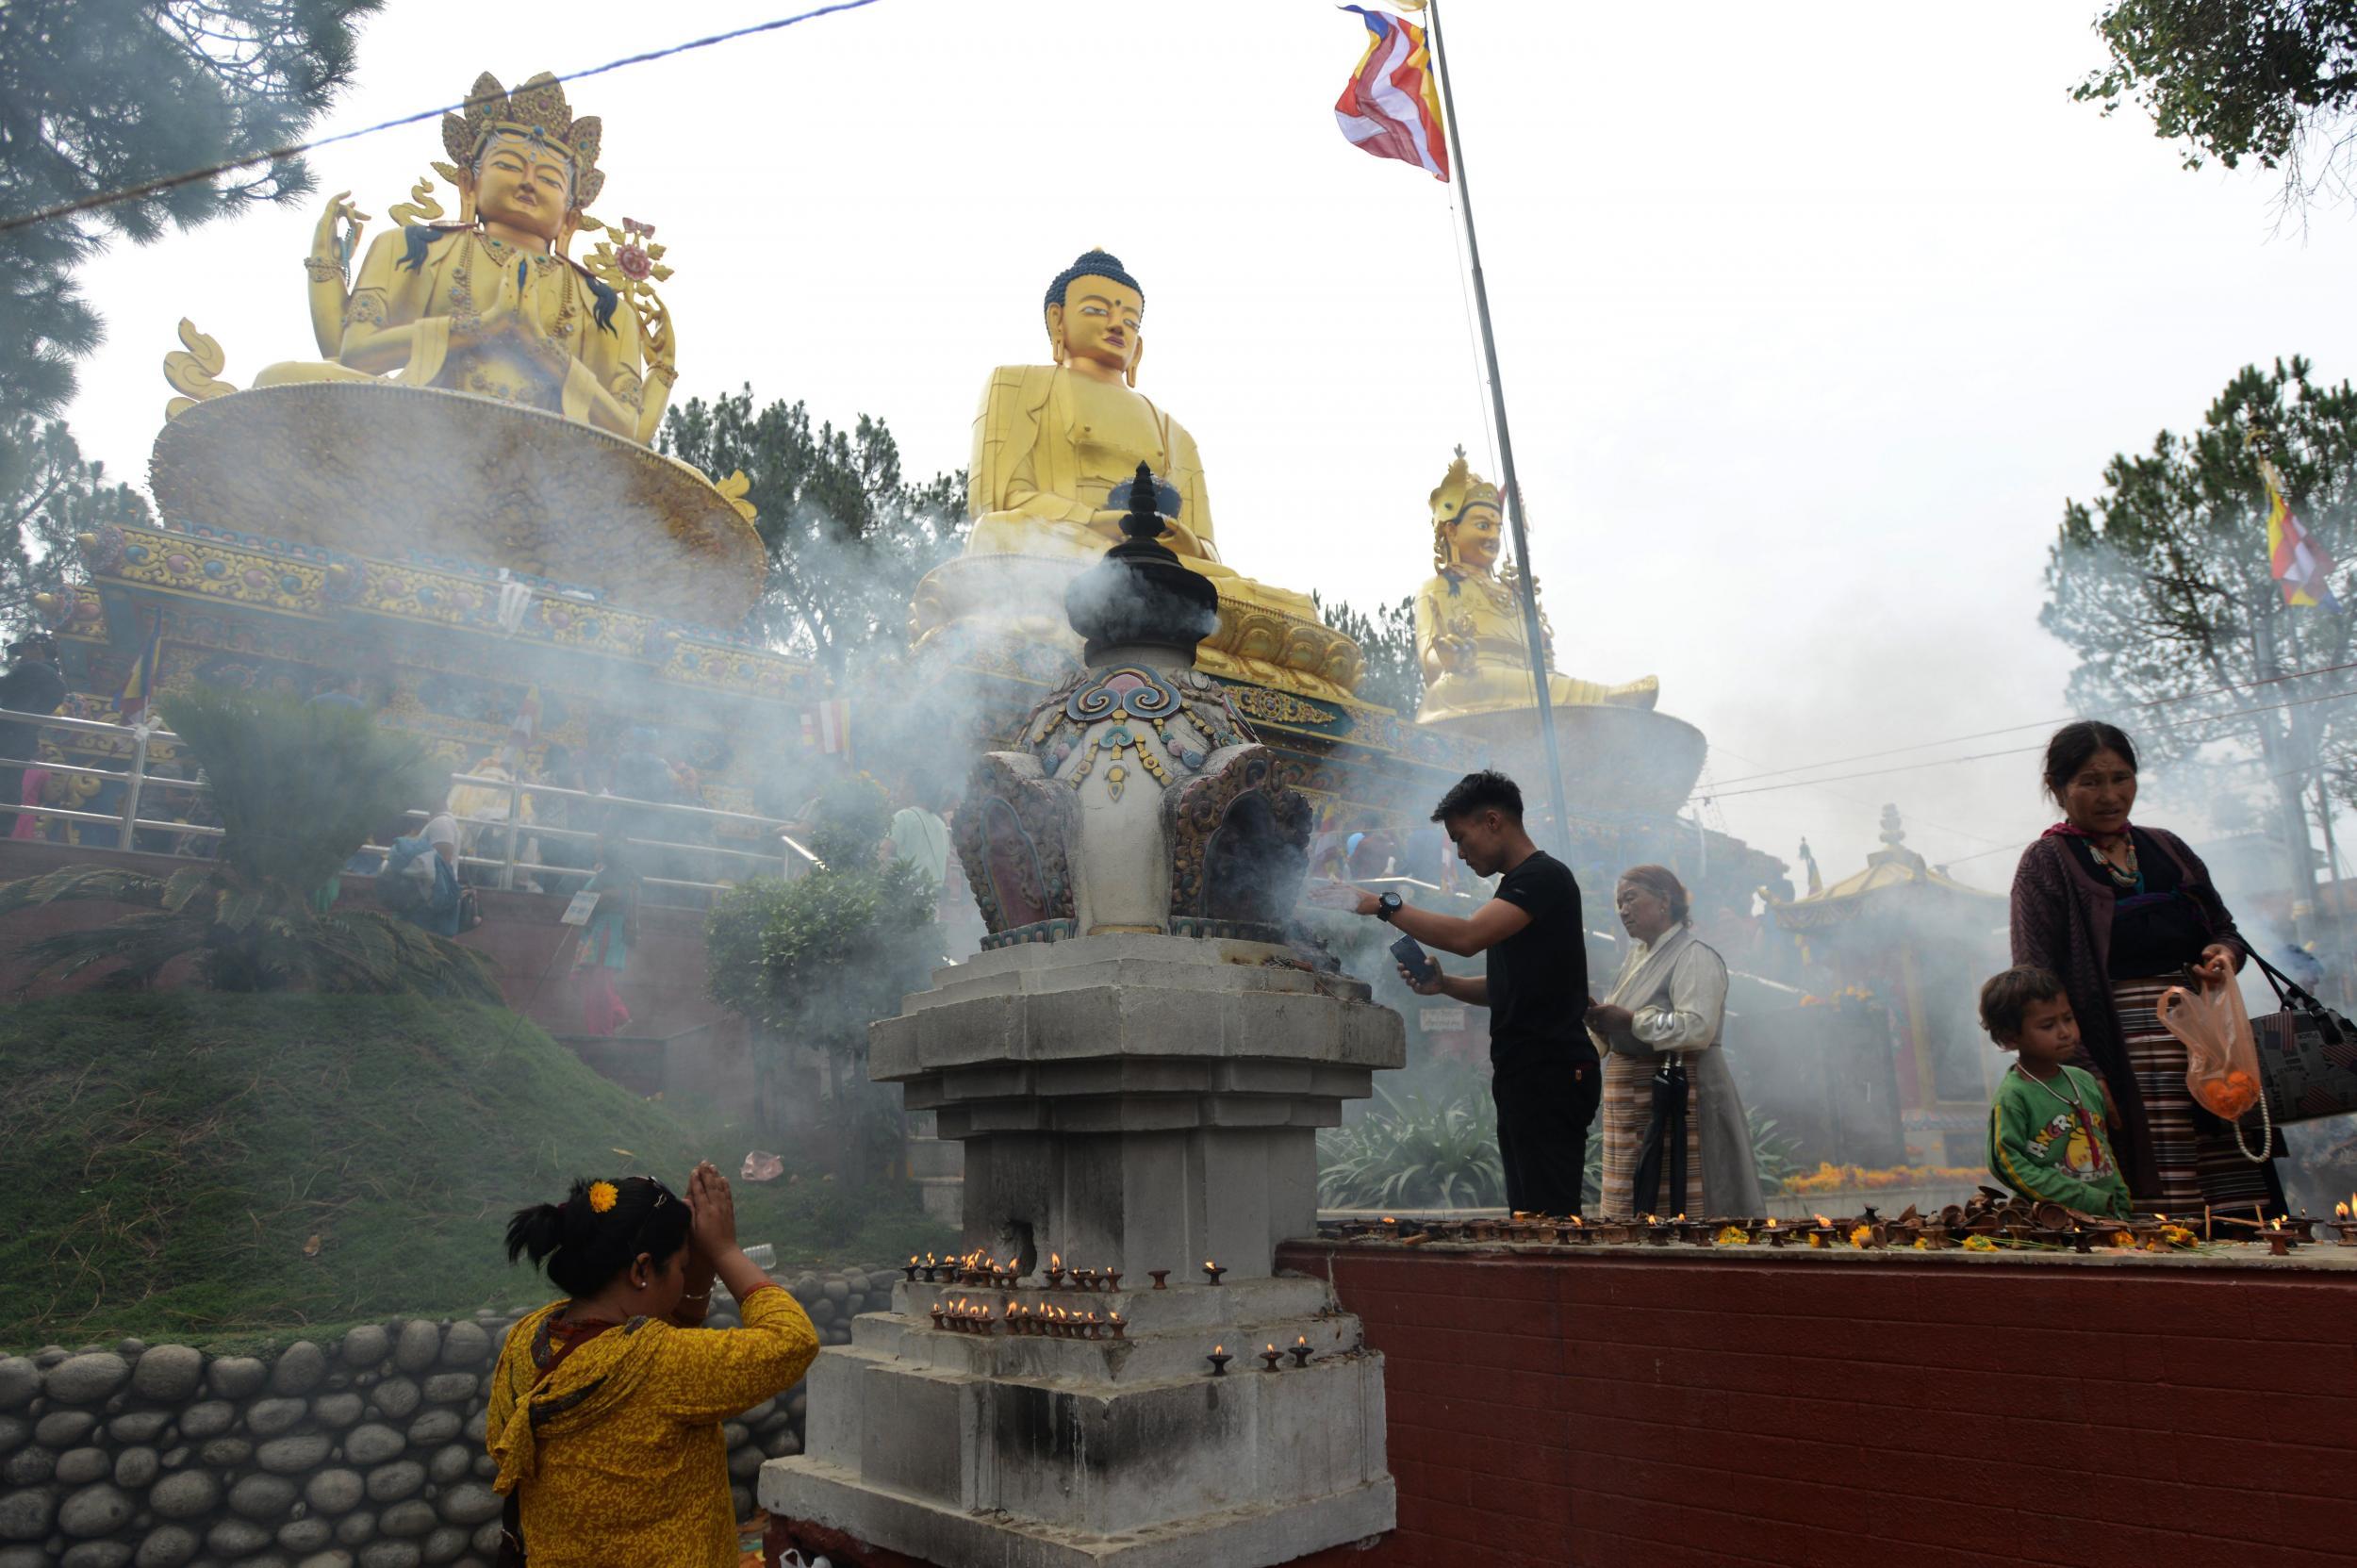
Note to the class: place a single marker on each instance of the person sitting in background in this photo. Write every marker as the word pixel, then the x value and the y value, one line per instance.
pixel 2049 1123
pixel 604 1411
pixel 31 685
pixel 419 882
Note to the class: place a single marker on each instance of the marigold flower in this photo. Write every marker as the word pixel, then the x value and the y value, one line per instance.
pixel 1734 1235
pixel 604 1196
pixel 1979 1244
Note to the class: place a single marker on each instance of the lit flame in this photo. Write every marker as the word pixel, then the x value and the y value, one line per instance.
pixel 1055 1260
pixel 1388 1220
pixel 1575 1220
pixel 1116 1318
pixel 1302 1339
pixel 1219 1350
pixel 1680 1220
pixel 1272 1349
pixel 929 1260
pixel 912 1257
pixel 1822 1220
pixel 2340 1211
pixel 1208 1263
pixel 1772 1222
pixel 2279 1222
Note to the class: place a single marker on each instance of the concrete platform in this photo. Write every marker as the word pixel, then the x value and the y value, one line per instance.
pixel 954 1447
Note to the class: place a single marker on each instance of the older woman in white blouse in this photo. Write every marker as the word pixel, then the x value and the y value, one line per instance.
pixel 1669 1002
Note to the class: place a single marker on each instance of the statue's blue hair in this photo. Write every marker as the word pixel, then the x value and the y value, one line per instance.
pixel 1102 264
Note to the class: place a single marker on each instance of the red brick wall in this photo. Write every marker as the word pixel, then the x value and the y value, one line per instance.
pixel 1645 1408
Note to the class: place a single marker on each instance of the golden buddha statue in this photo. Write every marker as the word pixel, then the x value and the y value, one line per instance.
pixel 1470 634
pixel 1055 448
pixel 492 305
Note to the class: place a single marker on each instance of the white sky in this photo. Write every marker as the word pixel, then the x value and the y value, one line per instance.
pixel 1810 317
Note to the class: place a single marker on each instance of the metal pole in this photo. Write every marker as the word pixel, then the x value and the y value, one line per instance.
pixel 515 811
pixel 139 775
pixel 1531 634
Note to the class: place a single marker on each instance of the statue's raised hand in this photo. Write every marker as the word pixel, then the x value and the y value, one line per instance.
pixel 326 243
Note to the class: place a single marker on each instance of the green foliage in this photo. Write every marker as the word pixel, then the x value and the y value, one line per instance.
pixel 851 821
pixel 2234 78
pixel 813 961
pixel 48 494
pixel 1772 1151
pixel 1437 1148
pixel 2161 586
pixel 847 536
pixel 297 786
pixel 169 1157
pixel 100 95
pixel 1394 675
pixel 1416 1149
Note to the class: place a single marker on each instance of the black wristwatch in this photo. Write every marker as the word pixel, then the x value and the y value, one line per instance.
pixel 1386 906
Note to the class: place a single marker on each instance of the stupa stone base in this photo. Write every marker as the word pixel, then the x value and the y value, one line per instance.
pixel 1015 1451
pixel 1137 1101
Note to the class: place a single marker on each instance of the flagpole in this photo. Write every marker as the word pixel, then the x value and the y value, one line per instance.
pixel 1532 636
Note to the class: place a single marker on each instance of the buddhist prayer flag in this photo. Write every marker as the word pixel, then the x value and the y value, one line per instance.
pixel 2297 563
pixel 1392 105
pixel 827 729
pixel 140 687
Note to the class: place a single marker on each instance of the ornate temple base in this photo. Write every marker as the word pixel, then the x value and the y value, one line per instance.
pixel 375 471
pixel 1020 600
pixel 1138 1102
pixel 1615 759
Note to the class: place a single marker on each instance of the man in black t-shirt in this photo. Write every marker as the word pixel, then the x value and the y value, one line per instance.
pixel 1544 1075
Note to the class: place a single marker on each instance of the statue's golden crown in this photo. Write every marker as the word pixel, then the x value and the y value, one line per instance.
pixel 536 109
pixel 1460 488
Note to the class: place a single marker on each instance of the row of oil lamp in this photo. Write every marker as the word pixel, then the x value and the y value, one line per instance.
pixel 966 1316
pixel 1271 1357
pixel 980 1270
pixel 1982 1222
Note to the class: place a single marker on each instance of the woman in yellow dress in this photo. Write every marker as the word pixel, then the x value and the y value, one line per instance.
pixel 605 1410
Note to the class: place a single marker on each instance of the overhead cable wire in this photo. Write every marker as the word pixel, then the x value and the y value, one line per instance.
pixel 2041 723
pixel 2023 750
pixel 170 182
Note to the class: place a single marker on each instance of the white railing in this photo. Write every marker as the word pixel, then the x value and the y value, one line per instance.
pixel 666 818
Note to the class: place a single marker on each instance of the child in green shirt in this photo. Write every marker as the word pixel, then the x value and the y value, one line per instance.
pixel 2048 1121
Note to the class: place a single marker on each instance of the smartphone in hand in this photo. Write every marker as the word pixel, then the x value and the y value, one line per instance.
pixel 1413 959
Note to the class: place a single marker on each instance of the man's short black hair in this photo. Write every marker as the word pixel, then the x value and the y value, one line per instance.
pixel 1478 792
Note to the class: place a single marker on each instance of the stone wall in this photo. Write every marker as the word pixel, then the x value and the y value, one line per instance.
pixel 361 1451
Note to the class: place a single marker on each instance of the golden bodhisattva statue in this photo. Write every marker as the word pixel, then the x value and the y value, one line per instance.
pixel 492 305
pixel 1055 448
pixel 1468 618
pixel 484 398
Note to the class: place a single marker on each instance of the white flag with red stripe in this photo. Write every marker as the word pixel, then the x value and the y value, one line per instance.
pixel 1392 107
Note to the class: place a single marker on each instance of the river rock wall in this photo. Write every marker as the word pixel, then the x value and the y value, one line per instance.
pixel 363 1451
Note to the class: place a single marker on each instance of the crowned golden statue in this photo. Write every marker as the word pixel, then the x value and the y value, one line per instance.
pixel 385 448
pixel 492 304
pixel 1055 448
pixel 1470 630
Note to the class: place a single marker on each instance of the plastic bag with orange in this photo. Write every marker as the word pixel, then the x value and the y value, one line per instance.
pixel 2221 1059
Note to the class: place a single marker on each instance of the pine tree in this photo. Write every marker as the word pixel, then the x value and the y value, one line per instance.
pixel 100 95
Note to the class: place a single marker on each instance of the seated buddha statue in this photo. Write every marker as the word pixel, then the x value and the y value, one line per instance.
pixel 1057 446
pixel 492 305
pixel 1470 634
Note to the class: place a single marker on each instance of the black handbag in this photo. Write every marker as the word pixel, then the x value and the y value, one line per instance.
pixel 2307 1054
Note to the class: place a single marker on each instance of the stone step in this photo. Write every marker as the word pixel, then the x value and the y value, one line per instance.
pixel 935 1157
pixel 1251 1534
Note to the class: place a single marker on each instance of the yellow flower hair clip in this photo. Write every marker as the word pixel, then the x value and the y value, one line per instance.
pixel 603 1196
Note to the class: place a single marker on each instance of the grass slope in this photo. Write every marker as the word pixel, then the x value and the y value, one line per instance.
pixel 170 1158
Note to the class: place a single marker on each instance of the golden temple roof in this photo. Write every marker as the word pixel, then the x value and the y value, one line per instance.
pixel 1889 871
